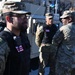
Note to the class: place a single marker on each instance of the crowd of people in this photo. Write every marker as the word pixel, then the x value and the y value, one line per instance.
pixel 56 46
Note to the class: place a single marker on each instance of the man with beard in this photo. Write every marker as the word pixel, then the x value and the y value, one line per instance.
pixel 14 43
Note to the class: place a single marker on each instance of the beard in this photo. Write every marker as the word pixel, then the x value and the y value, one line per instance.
pixel 23 27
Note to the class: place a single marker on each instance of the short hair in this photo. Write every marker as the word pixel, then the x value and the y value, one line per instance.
pixel 49 15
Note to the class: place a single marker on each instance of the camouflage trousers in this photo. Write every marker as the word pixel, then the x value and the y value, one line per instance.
pixel 63 69
pixel 45 57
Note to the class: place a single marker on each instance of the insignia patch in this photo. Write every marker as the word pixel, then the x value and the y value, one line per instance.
pixel 47 30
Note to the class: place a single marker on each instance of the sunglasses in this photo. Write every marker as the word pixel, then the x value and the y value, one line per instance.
pixel 20 15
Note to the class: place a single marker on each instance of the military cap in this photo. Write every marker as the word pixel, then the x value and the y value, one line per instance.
pixel 49 15
pixel 66 14
pixel 14 7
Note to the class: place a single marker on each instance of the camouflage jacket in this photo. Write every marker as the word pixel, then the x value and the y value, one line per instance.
pixel 39 35
pixel 4 50
pixel 64 39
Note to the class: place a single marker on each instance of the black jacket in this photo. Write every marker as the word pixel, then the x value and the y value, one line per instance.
pixel 17 62
pixel 49 32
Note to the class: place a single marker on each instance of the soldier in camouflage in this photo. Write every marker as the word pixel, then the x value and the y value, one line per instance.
pixel 64 42
pixel 14 43
pixel 44 35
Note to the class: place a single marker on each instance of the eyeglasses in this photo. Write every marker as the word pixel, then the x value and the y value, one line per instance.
pixel 22 16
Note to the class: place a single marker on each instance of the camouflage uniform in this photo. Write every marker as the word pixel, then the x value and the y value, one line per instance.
pixel 11 58
pixel 64 39
pixel 4 50
pixel 46 54
pixel 14 48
